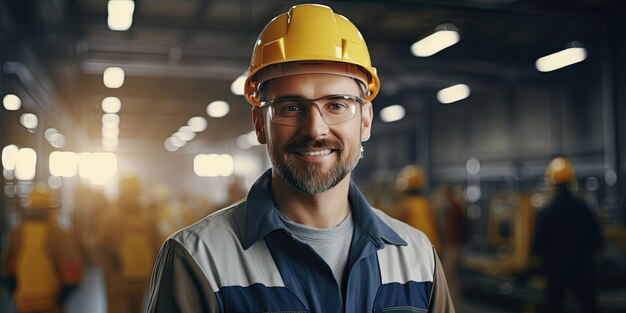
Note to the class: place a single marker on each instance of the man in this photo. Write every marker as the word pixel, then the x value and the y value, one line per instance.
pixel 42 260
pixel 566 237
pixel 128 240
pixel 305 239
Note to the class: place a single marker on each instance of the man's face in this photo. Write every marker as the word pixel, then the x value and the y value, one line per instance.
pixel 313 156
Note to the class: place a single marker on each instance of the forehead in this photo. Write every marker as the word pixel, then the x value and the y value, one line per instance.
pixel 311 86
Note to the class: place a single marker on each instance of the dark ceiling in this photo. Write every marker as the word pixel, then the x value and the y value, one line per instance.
pixel 181 55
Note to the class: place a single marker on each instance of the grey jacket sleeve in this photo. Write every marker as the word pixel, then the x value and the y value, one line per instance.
pixel 178 284
pixel 440 299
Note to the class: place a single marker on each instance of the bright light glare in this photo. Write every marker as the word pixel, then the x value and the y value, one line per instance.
pixel 197 123
pixel 97 167
pixel 472 166
pixel 55 182
pixel 64 164
pixel 110 119
pixel 247 165
pixel 436 42
pixel 110 132
pixel 11 102
pixel 58 141
pixel 9 157
pixel 392 113
pixel 169 146
pixel 29 120
pixel 213 165
pixel 26 164
pixel 185 133
pixel 113 77
pixel 111 105
pixel 252 140
pixel 561 59
pixel 120 14
pixel 218 109
pixel 109 144
pixel 453 94
pixel 237 87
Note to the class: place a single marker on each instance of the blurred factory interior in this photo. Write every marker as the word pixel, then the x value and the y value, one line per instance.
pixel 89 98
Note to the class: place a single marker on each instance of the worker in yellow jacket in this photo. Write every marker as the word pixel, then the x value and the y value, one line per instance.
pixel 42 260
pixel 127 242
pixel 415 209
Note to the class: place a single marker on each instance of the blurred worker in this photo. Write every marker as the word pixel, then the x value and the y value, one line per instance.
pixel 415 208
pixel 89 205
pixel 566 237
pixel 454 238
pixel 42 260
pixel 128 241
pixel 305 239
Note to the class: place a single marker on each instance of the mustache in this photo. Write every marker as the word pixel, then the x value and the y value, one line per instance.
pixel 298 144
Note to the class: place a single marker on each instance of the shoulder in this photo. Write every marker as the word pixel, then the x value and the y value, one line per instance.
pixel 414 261
pixel 224 226
pixel 410 234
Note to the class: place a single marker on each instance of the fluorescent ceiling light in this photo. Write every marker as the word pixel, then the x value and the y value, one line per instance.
pixel 113 77
pixel 445 36
pixel 11 102
pixel 562 58
pixel 120 16
pixel 237 87
pixel 111 105
pixel 218 109
pixel 392 113
pixel 453 94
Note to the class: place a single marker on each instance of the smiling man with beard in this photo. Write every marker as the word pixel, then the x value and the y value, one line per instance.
pixel 304 239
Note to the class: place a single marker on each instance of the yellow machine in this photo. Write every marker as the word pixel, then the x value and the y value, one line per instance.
pixel 510 229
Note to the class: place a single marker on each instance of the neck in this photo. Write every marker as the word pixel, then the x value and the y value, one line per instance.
pixel 323 210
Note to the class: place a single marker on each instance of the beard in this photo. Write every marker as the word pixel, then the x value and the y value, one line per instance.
pixel 313 178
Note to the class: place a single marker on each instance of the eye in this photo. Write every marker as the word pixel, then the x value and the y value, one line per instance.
pixel 337 106
pixel 288 107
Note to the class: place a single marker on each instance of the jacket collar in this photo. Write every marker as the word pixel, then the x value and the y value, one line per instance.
pixel 261 215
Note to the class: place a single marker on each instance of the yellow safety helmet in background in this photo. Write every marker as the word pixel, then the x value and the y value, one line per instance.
pixel 130 185
pixel 40 199
pixel 310 38
pixel 560 171
pixel 411 177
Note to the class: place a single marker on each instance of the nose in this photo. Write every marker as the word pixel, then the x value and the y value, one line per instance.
pixel 313 125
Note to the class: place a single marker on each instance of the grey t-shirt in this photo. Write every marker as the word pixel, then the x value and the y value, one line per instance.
pixel 332 244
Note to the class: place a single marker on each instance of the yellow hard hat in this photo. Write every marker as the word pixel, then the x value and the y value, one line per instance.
pixel 129 185
pixel 560 171
pixel 411 177
pixel 40 199
pixel 310 38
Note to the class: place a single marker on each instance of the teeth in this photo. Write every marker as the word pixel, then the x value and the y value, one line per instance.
pixel 314 153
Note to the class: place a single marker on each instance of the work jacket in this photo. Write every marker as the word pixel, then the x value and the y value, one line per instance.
pixel 244 259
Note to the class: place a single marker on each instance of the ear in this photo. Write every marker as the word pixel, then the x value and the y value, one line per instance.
pixel 367 116
pixel 258 119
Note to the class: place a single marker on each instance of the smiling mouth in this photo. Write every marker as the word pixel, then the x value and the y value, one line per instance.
pixel 314 153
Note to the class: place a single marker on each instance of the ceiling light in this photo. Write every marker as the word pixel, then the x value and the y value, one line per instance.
pixel 453 94
pixel 197 123
pixel 29 120
pixel 26 164
pixel 11 102
pixel 445 36
pixel 237 87
pixel 9 157
pixel 113 77
pixel 120 16
pixel 392 113
pixel 574 54
pixel 218 109
pixel 111 105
